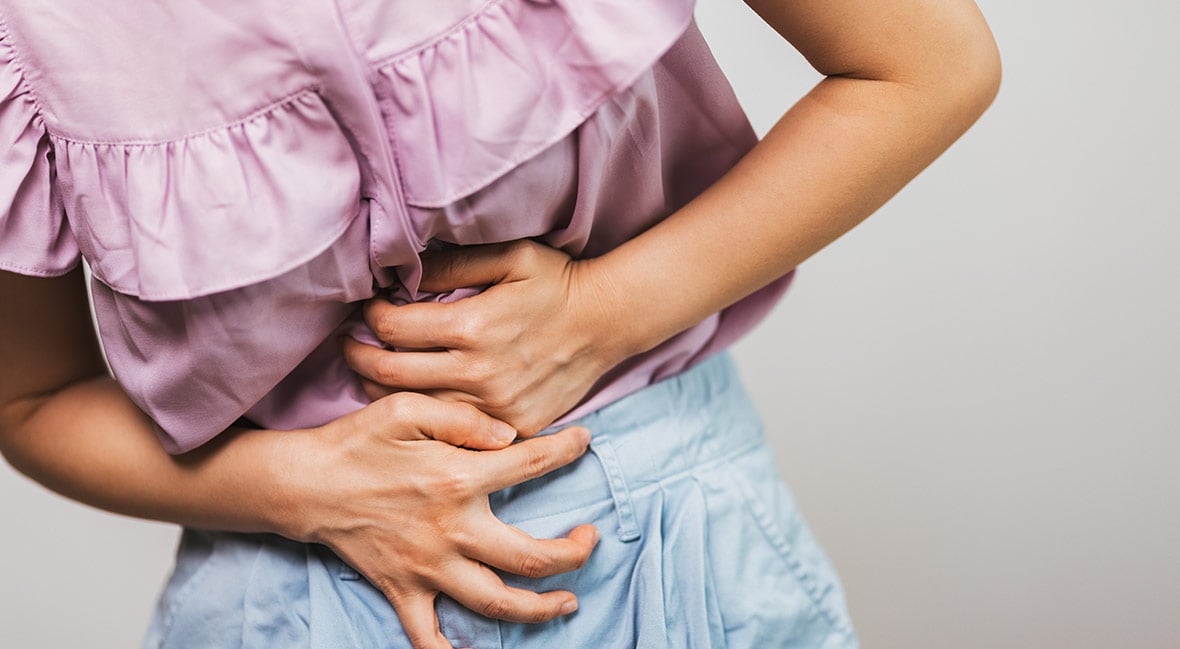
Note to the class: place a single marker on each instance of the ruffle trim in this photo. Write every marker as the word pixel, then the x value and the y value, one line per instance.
pixel 250 201
pixel 513 79
pixel 34 237
pixel 213 211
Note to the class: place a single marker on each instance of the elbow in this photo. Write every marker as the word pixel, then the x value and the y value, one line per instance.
pixel 15 438
pixel 11 418
pixel 10 449
pixel 967 71
pixel 981 72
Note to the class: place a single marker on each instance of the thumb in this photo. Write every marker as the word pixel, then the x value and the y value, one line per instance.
pixel 469 266
pixel 410 416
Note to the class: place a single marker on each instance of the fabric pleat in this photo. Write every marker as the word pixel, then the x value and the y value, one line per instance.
pixel 215 211
pixel 34 236
pixel 230 241
pixel 722 559
pixel 512 80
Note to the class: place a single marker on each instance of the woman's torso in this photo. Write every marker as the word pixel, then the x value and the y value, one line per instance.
pixel 237 175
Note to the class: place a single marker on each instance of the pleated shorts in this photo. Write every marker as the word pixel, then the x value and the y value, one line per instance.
pixel 702 547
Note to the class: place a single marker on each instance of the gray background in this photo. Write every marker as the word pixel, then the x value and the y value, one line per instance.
pixel 973 394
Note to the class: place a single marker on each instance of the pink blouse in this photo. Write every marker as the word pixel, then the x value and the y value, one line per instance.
pixel 238 175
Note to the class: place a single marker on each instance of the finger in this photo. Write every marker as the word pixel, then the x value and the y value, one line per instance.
pixel 510 549
pixel 375 391
pixel 531 458
pixel 409 415
pixel 419 621
pixel 468 266
pixel 419 325
pixel 478 588
pixel 406 370
pixel 522 420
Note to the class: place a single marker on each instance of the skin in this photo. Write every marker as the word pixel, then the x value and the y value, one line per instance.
pixel 904 78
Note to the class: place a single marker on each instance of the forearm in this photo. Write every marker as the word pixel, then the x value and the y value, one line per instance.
pixel 89 442
pixel 387 487
pixel 831 160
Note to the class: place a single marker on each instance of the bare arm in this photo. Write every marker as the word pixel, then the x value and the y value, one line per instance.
pixel 423 529
pixel 66 424
pixel 904 79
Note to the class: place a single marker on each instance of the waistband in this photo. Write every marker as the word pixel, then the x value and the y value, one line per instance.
pixel 654 435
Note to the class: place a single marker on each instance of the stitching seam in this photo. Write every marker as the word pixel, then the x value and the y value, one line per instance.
pixel 447 33
pixel 38 272
pixel 267 110
pixel 563 129
pixel 644 489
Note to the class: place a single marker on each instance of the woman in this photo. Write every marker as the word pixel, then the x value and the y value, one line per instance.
pixel 222 165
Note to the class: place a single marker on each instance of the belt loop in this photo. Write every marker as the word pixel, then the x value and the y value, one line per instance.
pixel 605 452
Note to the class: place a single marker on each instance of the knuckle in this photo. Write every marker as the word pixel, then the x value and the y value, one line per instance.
pixel 383 323
pixel 386 586
pixel 385 370
pixel 479 373
pixel 477 323
pixel 522 252
pixel 398 404
pixel 496 608
pixel 468 416
pixel 457 481
pixel 375 391
pixel 535 462
pixel 513 413
pixel 462 536
pixel 533 565
pixel 499 400
pixel 477 424
pixel 381 412
pixel 464 329
pixel 455 327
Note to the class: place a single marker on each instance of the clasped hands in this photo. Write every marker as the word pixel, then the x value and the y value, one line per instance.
pixel 411 472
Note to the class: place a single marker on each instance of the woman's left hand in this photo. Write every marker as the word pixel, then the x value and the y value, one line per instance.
pixel 525 350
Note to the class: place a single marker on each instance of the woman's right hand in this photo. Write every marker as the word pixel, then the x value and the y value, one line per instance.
pixel 392 490
pixel 387 487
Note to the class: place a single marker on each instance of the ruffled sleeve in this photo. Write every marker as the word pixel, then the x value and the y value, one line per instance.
pixel 34 236
pixel 512 80
pixel 212 211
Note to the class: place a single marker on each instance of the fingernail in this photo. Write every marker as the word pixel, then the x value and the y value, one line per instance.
pixel 503 433
pixel 569 607
pixel 584 435
pixel 595 538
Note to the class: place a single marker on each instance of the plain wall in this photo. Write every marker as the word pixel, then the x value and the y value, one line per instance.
pixel 974 394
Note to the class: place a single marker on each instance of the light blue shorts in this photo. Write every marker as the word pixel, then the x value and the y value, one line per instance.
pixel 702 547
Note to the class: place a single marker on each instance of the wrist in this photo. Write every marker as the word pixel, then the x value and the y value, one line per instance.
pixel 286 488
pixel 613 326
pixel 627 313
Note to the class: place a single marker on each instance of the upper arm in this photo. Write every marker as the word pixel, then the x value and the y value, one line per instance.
pixel 912 41
pixel 47 341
